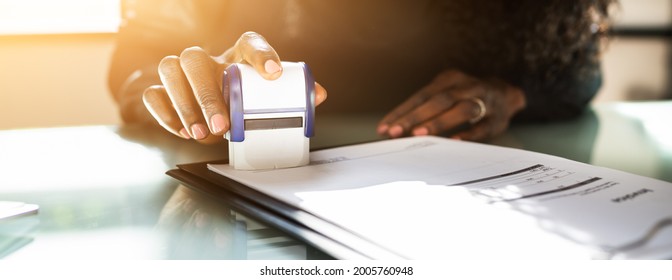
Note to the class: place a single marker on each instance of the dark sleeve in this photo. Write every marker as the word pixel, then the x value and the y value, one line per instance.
pixel 559 94
pixel 151 30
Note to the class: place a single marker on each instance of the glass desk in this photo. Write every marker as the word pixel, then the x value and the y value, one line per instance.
pixel 103 193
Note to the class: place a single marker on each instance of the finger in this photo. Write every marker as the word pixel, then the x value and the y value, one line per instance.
pixel 255 50
pixel 320 94
pixel 459 114
pixel 158 103
pixel 402 109
pixel 443 83
pixel 483 130
pixel 477 132
pixel 180 93
pixel 435 105
pixel 199 68
pixel 430 109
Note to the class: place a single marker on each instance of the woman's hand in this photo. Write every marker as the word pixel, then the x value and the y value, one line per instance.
pixel 452 101
pixel 189 101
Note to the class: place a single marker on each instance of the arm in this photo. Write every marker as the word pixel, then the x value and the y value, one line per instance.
pixel 540 87
pixel 447 104
pixel 151 30
pixel 163 71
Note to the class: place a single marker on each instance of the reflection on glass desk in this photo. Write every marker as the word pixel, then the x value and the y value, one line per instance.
pixel 103 193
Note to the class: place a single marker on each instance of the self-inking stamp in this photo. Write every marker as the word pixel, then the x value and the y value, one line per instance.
pixel 271 121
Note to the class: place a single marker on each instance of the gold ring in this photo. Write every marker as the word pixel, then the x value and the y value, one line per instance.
pixel 481 110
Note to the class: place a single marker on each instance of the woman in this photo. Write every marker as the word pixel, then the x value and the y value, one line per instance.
pixel 462 68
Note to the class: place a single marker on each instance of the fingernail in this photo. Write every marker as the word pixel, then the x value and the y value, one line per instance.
pixel 319 98
pixel 272 67
pixel 199 131
pixel 382 128
pixel 218 123
pixel 420 131
pixel 395 131
pixel 184 133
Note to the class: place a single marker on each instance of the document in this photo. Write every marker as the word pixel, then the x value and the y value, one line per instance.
pixel 436 198
pixel 16 224
pixel 11 209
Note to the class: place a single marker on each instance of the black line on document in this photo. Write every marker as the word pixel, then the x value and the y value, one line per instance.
pixel 579 184
pixel 499 176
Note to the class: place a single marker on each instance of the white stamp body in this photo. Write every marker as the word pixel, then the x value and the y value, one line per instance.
pixel 271 121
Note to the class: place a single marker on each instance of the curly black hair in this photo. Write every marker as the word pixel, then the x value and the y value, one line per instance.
pixel 542 46
pixel 566 32
pixel 538 35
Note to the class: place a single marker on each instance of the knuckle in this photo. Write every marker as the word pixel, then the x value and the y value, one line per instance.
pixel 208 99
pixel 420 98
pixel 193 53
pixel 154 90
pixel 254 42
pixel 470 109
pixel 458 75
pixel 153 94
pixel 169 120
pixel 450 74
pixel 480 88
pixel 192 49
pixel 408 121
pixel 248 35
pixel 443 100
pixel 192 64
pixel 438 124
pixel 185 110
pixel 169 64
pixel 150 95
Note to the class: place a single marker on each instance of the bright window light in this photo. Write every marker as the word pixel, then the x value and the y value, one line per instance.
pixel 58 16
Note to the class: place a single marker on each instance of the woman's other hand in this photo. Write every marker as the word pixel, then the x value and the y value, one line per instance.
pixel 451 101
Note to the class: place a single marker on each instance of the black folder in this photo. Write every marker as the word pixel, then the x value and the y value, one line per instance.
pixel 301 225
pixel 573 186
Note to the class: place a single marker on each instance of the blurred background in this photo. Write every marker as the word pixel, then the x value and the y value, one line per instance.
pixel 54 56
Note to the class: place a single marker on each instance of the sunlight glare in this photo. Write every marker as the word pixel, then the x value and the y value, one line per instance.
pixel 54 17
pixel 76 158
pixel 466 228
pixel 654 119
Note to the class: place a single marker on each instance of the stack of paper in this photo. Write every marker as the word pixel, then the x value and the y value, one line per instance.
pixel 431 197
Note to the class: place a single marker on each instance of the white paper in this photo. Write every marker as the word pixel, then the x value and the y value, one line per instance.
pixel 431 197
pixel 11 209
